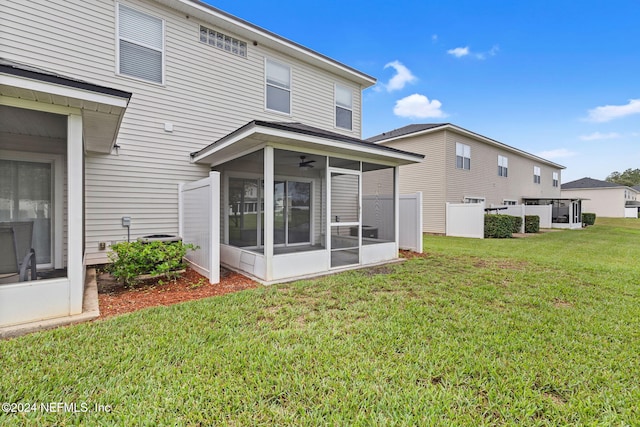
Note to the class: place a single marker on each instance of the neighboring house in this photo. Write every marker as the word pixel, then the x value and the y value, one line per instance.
pixel 106 107
pixel 605 199
pixel 464 167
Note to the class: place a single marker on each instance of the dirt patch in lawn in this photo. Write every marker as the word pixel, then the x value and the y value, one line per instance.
pixel 115 298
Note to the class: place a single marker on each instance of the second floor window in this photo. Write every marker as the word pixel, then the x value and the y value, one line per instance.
pixel 555 179
pixel 278 90
pixel 503 166
pixel 536 175
pixel 463 156
pixel 344 107
pixel 140 45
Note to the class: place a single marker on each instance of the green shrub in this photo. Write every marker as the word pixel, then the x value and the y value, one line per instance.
pixel 132 259
pixel 516 223
pixel 531 223
pixel 498 226
pixel 588 219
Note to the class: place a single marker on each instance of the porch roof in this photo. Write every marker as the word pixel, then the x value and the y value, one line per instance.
pixel 259 133
pixel 102 108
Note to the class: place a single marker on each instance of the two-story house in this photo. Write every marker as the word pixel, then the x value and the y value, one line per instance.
pixel 107 106
pixel 464 167
pixel 606 199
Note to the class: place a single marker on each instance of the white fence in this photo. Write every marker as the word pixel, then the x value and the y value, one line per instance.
pixel 513 210
pixel 465 220
pixel 411 222
pixel 543 211
pixel 631 212
pixel 199 212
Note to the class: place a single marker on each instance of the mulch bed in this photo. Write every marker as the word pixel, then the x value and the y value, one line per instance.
pixel 114 298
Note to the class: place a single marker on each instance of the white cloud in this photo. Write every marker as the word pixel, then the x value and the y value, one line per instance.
pixel 434 38
pixel 597 135
pixel 610 112
pixel 459 52
pixel 558 153
pixel 418 106
pixel 401 78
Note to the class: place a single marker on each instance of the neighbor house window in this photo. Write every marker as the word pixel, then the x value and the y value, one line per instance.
pixel 536 175
pixel 503 166
pixel 463 156
pixel 555 179
pixel 278 87
pixel 508 202
pixel 140 45
pixel 474 200
pixel 222 41
pixel 344 107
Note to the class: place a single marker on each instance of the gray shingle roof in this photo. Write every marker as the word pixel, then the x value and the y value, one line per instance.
pixel 589 183
pixel 406 130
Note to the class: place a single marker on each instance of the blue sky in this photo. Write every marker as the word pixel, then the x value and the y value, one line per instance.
pixel 560 79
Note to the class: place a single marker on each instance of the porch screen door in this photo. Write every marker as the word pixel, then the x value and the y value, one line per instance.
pixel 25 195
pixel 345 218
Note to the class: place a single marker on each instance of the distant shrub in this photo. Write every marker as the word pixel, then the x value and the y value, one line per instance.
pixel 588 219
pixel 531 223
pixel 498 226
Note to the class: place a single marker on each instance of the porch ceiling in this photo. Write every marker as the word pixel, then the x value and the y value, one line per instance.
pixel 102 108
pixel 304 138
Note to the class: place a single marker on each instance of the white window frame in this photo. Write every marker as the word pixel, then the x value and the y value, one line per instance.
pixel 162 51
pixel 336 105
pixel 509 202
pixel 536 175
pixel 474 199
pixel 503 166
pixel 466 154
pixel 289 89
pixel 555 179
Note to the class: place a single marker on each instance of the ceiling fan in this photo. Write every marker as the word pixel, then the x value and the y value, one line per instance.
pixel 305 164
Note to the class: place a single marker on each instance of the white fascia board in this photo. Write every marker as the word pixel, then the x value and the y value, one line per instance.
pixel 54 89
pixel 277 42
pixel 474 135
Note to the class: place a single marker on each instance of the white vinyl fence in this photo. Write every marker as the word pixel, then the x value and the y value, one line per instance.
pixel 465 220
pixel 411 222
pixel 199 212
pixel 513 210
pixel 631 212
pixel 543 211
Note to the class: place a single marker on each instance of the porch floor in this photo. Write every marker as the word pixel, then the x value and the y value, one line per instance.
pixel 90 311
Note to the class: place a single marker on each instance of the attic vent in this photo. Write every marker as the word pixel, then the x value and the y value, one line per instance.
pixel 223 41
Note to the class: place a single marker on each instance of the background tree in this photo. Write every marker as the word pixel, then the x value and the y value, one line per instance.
pixel 630 177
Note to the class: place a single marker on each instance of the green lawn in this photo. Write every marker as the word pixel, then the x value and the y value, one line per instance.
pixel 543 330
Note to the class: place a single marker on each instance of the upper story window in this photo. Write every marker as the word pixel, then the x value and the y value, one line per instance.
pixel 140 45
pixel 222 41
pixel 463 156
pixel 555 179
pixel 278 86
pixel 503 166
pixel 344 107
pixel 536 175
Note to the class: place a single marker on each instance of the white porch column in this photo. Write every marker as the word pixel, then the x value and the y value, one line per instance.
pixel 268 212
pixel 75 214
pixel 396 205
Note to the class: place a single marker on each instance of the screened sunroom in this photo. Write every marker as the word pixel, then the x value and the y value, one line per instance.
pixel 298 201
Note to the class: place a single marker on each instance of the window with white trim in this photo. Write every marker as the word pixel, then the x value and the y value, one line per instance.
pixel 463 156
pixel 223 42
pixel 140 45
pixel 555 179
pixel 503 166
pixel 509 202
pixel 536 175
pixel 278 86
pixel 474 200
pixel 344 107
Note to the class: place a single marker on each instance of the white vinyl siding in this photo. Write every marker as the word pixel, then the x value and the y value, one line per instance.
pixel 463 156
pixel 344 107
pixel 503 166
pixel 278 86
pixel 140 45
pixel 536 175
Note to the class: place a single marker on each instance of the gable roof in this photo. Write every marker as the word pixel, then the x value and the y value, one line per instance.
pixel 258 35
pixel 258 132
pixel 589 183
pixel 414 130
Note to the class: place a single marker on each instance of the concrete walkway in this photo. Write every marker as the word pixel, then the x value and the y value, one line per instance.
pixel 90 311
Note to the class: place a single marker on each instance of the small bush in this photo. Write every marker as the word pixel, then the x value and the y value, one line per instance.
pixel 531 223
pixel 516 223
pixel 498 226
pixel 588 219
pixel 132 259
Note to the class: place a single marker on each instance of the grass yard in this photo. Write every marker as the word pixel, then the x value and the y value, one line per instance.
pixel 543 330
